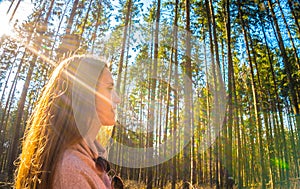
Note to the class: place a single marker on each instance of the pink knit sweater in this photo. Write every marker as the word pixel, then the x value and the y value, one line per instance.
pixel 77 169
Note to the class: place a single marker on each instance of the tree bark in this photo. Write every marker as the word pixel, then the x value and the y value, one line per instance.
pixel 120 66
pixel 70 42
pixel 174 162
pixel 290 3
pixel 153 94
pixel 94 35
pixel 20 110
pixel 6 109
pixel 17 123
pixel 14 12
pixel 228 147
pixel 290 35
pixel 255 101
pixel 187 163
pixel 288 70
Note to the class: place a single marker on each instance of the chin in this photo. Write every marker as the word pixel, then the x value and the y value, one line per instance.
pixel 109 123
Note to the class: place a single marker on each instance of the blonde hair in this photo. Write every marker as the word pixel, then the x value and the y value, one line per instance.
pixel 50 129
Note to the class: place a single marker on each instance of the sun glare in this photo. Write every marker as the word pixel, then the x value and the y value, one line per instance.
pixel 4 25
pixel 24 9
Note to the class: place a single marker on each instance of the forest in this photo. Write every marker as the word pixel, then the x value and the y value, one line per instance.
pixel 210 89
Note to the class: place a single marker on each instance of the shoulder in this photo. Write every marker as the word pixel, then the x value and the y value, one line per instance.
pixel 75 170
pixel 75 160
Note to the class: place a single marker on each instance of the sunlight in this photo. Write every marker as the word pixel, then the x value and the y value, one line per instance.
pixel 4 22
pixel 24 9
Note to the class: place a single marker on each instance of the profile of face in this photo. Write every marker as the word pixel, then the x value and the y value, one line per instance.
pixel 106 99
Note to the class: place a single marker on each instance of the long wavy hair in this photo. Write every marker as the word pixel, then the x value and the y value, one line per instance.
pixel 52 126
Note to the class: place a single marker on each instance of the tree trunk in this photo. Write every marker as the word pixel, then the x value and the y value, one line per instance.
pixel 6 109
pixel 216 80
pixel 70 42
pixel 6 82
pixel 228 146
pixel 174 160
pixel 6 116
pixel 255 101
pixel 94 35
pixel 290 35
pixel 208 117
pixel 85 19
pixel 278 107
pixel 187 164
pixel 14 12
pixel 288 70
pixel 17 123
pixel 71 18
pixel 120 66
pixel 11 3
pixel 20 110
pixel 291 3
pixel 153 94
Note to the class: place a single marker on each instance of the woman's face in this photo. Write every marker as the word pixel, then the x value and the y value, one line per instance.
pixel 106 99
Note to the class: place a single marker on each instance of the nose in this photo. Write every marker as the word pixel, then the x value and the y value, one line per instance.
pixel 115 97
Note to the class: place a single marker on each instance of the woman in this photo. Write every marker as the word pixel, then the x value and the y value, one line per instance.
pixel 59 148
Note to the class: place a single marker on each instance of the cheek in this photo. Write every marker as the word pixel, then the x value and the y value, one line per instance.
pixel 103 104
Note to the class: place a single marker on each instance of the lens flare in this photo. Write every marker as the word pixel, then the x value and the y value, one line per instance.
pixel 11 17
pixel 4 25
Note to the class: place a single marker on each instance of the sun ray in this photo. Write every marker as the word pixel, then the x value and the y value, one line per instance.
pixel 7 30
pixel 19 12
pixel 5 26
